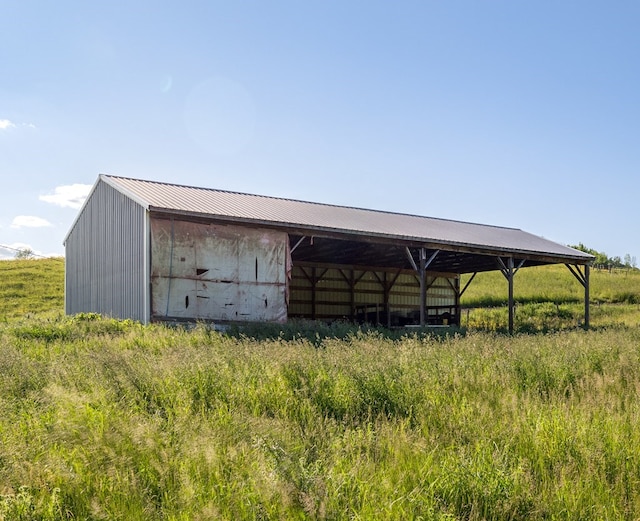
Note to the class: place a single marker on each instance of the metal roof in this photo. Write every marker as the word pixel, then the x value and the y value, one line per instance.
pixel 341 222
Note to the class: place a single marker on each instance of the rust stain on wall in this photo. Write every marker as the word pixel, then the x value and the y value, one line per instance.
pixel 217 272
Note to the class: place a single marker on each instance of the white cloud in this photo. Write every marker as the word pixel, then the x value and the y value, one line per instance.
pixel 5 124
pixel 71 196
pixel 29 221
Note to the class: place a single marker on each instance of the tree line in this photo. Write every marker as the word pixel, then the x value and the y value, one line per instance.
pixel 602 260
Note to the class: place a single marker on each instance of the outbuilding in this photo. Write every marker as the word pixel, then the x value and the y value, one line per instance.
pixel 154 251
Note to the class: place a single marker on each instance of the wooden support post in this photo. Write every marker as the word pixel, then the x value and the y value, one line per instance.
pixel 422 274
pixel 352 294
pixel 457 293
pixel 509 271
pixel 586 296
pixel 385 299
pixel 349 279
pixel 314 281
pixel 583 278
pixel 511 304
pixel 423 287
pixel 387 285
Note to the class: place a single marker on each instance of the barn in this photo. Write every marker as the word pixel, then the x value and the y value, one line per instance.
pixel 154 251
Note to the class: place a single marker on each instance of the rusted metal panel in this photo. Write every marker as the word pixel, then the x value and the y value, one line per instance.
pixel 217 272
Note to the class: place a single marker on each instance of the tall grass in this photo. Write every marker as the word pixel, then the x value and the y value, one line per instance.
pixel 101 419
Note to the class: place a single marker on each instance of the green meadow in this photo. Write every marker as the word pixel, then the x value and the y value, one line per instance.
pixel 107 419
pixel 29 287
pixel 549 298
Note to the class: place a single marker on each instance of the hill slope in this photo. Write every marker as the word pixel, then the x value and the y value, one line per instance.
pixel 553 284
pixel 31 286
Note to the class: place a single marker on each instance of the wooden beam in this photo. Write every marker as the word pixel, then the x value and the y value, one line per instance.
pixel 467 284
pixel 297 244
pixel 364 267
pixel 411 260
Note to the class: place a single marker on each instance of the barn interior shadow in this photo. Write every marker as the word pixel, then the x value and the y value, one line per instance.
pixel 316 332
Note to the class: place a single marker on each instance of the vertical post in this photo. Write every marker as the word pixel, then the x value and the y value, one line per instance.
pixel 352 294
pixel 583 278
pixel 422 272
pixel 314 281
pixel 423 286
pixel 510 279
pixel 458 319
pixel 386 299
pixel 586 296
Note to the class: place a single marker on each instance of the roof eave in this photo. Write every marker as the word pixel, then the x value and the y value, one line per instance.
pixel 546 257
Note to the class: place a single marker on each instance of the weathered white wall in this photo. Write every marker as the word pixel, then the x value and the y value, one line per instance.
pixel 217 272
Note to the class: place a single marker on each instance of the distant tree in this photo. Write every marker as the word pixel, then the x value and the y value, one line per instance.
pixel 630 262
pixel 24 253
pixel 601 258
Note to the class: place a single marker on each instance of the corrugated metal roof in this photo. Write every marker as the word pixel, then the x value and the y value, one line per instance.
pixel 350 221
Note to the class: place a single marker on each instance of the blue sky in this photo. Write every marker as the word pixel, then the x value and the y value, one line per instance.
pixel 514 113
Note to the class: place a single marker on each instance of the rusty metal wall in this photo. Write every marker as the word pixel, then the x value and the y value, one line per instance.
pixel 217 272
pixel 105 257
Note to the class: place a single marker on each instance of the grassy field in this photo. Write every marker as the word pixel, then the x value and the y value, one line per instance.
pixel 553 284
pixel 550 298
pixel 106 419
pixel 31 286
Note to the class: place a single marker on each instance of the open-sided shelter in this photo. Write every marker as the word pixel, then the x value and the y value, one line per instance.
pixel 154 251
